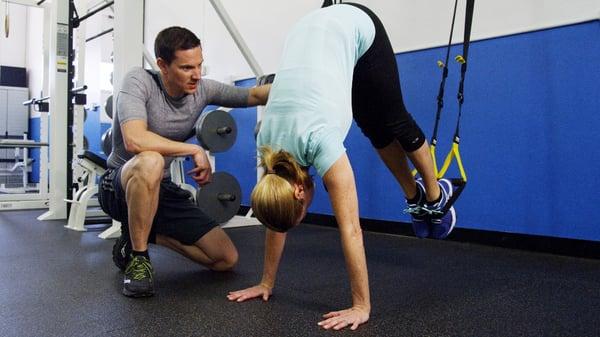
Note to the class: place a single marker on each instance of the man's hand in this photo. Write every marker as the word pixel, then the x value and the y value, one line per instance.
pixel 260 290
pixel 259 95
pixel 202 173
pixel 338 320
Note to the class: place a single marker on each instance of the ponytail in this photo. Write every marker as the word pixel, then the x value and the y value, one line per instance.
pixel 273 200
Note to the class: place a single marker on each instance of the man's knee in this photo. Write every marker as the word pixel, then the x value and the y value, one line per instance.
pixel 228 261
pixel 146 167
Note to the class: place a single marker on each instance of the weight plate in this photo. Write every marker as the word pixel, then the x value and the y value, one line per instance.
pixel 108 106
pixel 107 142
pixel 221 198
pixel 216 131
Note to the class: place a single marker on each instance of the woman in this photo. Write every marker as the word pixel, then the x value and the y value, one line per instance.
pixel 338 64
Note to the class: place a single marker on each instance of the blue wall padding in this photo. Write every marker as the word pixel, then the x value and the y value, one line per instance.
pixel 529 132
pixel 34 153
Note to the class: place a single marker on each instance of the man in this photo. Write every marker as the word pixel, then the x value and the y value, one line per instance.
pixel 155 115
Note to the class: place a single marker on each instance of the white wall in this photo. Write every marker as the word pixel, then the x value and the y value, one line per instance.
pixel 12 49
pixel 414 25
pixel 411 24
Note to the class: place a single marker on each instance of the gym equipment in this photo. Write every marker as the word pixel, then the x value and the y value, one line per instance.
pixel 265 79
pixel 22 165
pixel 216 131
pixel 6 21
pixel 257 129
pixel 93 167
pixel 34 195
pixel 110 30
pixel 262 80
pixel 107 142
pixel 21 143
pixel 458 183
pixel 328 3
pixel 221 198
pixel 108 106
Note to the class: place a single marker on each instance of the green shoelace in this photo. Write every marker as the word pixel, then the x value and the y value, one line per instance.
pixel 139 268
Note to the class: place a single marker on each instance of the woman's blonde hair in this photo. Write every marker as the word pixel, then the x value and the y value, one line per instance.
pixel 273 200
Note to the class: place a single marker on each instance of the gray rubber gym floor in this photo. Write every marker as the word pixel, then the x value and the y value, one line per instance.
pixel 56 282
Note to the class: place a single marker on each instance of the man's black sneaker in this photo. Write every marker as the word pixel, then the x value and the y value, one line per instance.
pixel 139 279
pixel 121 251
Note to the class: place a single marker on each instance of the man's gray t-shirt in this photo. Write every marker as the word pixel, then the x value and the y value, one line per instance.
pixel 142 96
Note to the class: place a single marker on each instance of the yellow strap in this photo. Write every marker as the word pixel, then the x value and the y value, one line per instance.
pixel 435 169
pixel 433 157
pixel 454 152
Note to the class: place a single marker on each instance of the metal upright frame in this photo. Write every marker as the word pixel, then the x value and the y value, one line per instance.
pixel 52 187
pixel 128 48
pixel 247 220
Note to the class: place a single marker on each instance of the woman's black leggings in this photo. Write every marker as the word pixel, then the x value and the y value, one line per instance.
pixel 377 104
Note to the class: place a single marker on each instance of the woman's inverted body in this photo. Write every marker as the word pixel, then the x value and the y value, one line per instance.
pixel 338 65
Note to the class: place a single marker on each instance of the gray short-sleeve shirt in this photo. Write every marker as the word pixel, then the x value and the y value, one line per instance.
pixel 142 96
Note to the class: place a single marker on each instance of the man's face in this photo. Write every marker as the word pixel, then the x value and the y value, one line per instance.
pixel 182 75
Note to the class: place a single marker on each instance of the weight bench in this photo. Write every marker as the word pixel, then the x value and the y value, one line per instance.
pixel 93 166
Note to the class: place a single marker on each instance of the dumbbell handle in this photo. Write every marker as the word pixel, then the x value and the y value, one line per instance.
pixel 226 197
pixel 224 130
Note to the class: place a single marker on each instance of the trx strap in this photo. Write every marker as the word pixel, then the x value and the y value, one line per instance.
pixel 328 3
pixel 440 96
pixel 459 183
pixel 155 77
pixel 462 59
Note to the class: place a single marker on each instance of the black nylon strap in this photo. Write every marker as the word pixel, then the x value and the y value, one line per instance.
pixel 463 69
pixel 463 60
pixel 155 77
pixel 328 3
pixel 440 96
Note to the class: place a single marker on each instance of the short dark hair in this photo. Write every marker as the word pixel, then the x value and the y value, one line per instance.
pixel 172 39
